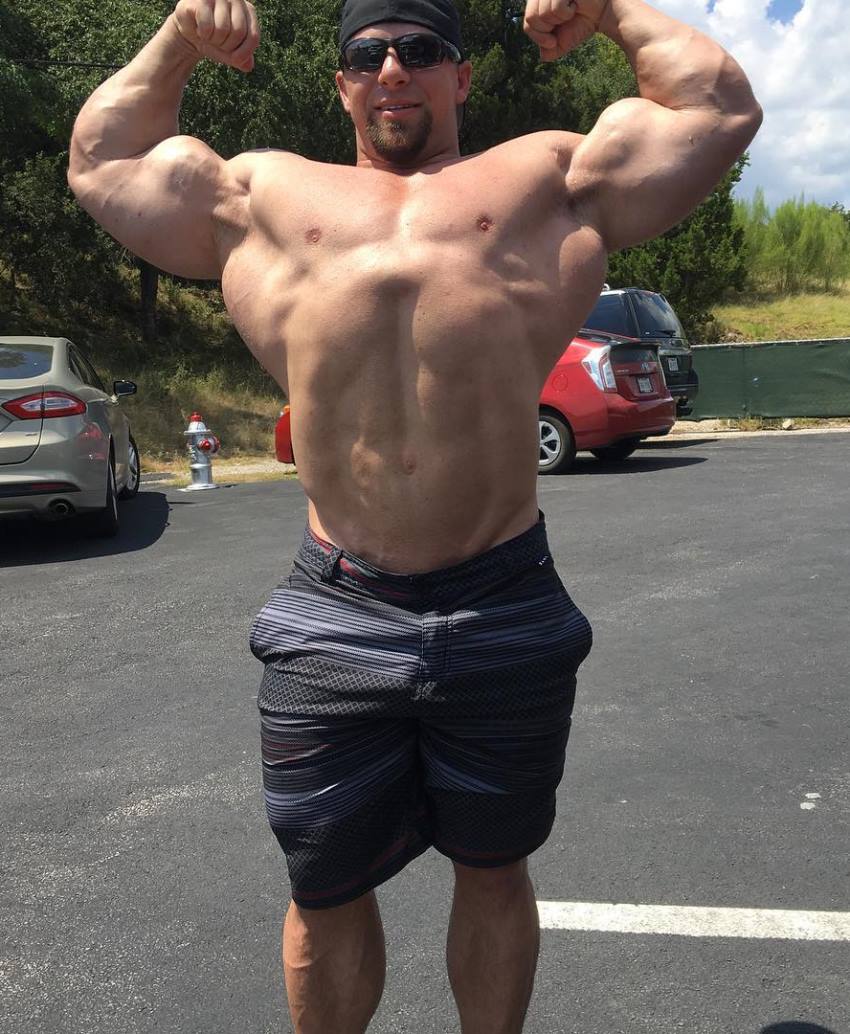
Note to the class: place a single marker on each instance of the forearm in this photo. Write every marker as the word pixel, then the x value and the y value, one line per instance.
pixel 137 107
pixel 676 66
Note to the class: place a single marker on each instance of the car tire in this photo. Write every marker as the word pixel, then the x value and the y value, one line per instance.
pixel 131 489
pixel 618 451
pixel 557 444
pixel 105 523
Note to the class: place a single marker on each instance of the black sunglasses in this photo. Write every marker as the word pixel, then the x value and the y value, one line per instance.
pixel 415 50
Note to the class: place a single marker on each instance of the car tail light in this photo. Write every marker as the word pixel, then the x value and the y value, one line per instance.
pixel 45 404
pixel 598 365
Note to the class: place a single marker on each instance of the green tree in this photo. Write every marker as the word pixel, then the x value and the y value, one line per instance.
pixel 842 211
pixel 44 235
pixel 693 264
pixel 802 245
pixel 27 97
pixel 48 238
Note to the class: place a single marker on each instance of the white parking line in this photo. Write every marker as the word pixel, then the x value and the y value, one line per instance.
pixel 686 921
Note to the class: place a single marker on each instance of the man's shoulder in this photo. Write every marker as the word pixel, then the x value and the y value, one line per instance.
pixel 541 146
pixel 251 163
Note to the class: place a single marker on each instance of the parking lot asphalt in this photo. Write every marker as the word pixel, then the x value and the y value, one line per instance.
pixel 708 766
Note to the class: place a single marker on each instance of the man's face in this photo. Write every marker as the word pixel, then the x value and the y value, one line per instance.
pixel 397 108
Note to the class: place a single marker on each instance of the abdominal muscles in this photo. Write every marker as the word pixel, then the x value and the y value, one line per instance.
pixel 414 401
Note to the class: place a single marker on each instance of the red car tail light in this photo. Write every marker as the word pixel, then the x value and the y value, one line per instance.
pixel 45 404
pixel 597 363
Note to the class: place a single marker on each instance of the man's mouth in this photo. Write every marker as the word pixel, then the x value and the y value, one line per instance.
pixel 397 107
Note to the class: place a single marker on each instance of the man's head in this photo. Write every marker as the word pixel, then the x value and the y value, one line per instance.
pixel 402 77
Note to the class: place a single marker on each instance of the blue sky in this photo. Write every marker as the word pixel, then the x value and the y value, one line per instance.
pixel 784 10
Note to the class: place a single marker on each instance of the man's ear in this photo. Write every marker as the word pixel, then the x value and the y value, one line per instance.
pixel 339 78
pixel 464 81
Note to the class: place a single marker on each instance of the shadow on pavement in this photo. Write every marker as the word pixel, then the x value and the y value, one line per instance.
pixel 795 1027
pixel 636 464
pixel 674 443
pixel 25 542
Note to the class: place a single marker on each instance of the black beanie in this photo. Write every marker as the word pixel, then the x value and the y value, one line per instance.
pixel 439 15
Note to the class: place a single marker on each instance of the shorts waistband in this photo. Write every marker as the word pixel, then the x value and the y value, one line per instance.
pixel 328 563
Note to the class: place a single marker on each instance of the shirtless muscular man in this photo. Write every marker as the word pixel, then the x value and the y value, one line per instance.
pixel 420 660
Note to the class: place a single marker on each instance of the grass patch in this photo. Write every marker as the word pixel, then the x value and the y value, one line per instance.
pixel 797 317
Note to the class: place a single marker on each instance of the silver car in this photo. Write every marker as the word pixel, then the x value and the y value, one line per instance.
pixel 65 444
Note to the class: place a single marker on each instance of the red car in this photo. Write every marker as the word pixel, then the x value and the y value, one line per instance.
pixel 605 394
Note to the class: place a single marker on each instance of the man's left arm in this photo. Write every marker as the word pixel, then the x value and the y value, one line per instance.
pixel 650 160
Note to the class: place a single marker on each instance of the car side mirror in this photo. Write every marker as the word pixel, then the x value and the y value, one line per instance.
pixel 124 388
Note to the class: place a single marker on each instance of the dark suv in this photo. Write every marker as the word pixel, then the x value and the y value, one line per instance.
pixel 650 317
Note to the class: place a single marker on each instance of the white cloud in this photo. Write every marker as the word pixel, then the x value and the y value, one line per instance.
pixel 800 72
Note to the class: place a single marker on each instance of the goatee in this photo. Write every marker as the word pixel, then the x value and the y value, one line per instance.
pixel 399 141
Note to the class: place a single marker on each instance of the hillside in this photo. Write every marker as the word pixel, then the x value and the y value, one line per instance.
pixel 198 362
pixel 790 318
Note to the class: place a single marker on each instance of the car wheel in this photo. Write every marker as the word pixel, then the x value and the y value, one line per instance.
pixel 104 523
pixel 557 444
pixel 131 489
pixel 618 451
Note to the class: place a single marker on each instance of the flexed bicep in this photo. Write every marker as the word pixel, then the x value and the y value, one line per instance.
pixel 159 193
pixel 651 159
pixel 164 205
pixel 644 167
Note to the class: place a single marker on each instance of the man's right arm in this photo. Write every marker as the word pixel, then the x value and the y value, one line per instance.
pixel 157 192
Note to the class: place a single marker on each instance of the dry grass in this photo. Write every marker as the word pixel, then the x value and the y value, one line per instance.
pixel 241 417
pixel 233 469
pixel 791 318
pixel 757 423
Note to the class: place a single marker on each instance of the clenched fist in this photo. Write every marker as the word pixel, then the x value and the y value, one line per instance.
pixel 222 30
pixel 558 26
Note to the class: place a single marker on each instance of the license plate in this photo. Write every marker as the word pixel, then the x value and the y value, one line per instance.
pixel 645 385
pixel 673 363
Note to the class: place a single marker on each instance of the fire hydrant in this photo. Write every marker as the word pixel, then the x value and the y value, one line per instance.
pixel 202 446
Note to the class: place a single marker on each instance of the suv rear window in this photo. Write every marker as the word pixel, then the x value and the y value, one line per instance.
pixel 610 313
pixel 655 316
pixel 20 362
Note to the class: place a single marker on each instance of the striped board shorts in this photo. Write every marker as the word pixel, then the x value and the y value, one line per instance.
pixel 399 712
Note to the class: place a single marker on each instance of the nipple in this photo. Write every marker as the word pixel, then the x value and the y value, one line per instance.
pixel 484 223
pixel 313 235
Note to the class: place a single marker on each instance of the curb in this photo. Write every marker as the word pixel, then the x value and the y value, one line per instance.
pixel 685 436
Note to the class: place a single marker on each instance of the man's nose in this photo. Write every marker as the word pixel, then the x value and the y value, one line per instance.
pixel 393 71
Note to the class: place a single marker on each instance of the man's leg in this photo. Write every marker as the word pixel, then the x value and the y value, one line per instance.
pixel 494 937
pixel 334 966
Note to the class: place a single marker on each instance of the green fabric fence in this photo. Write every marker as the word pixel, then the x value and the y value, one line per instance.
pixel 773 379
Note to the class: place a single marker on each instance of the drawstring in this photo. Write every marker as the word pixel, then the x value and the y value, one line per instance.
pixel 330 564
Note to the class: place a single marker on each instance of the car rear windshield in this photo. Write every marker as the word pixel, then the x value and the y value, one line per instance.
pixel 655 316
pixel 610 313
pixel 20 362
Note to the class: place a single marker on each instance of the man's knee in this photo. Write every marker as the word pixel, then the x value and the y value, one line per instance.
pixel 354 915
pixel 499 881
